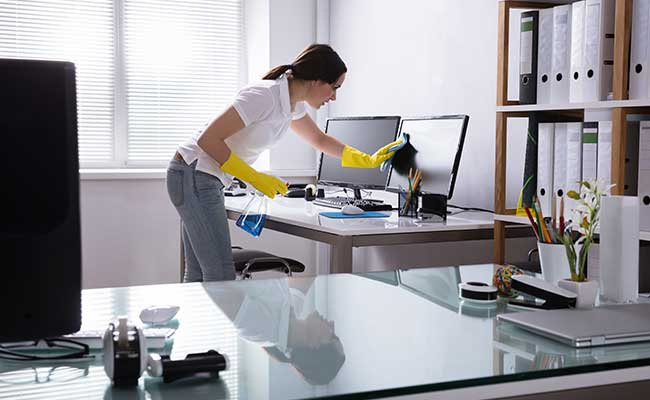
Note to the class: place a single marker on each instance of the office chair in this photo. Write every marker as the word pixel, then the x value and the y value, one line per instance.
pixel 248 261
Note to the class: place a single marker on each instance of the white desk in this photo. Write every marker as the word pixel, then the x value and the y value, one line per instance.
pixel 298 217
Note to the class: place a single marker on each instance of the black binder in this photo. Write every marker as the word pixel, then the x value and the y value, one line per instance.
pixel 528 57
pixel 529 188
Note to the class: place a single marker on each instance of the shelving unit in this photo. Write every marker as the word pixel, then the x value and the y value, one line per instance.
pixel 620 107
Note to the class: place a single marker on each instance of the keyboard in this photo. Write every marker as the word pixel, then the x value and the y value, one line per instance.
pixel 365 205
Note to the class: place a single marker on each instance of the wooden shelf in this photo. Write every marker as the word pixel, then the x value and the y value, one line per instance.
pixel 597 105
pixel 515 219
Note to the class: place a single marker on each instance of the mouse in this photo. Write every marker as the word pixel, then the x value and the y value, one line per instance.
pixel 158 314
pixel 349 209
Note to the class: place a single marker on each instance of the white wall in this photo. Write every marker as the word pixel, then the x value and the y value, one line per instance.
pixel 406 58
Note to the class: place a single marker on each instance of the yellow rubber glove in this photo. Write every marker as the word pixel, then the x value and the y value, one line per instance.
pixel 265 183
pixel 354 158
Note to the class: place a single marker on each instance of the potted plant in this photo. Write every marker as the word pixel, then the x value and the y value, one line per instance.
pixel 585 220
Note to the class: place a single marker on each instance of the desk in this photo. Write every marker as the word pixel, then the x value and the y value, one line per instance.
pixel 298 217
pixel 401 333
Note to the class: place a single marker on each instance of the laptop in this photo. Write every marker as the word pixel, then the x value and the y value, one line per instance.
pixel 598 326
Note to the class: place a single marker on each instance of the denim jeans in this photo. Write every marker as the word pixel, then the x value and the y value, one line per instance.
pixel 198 198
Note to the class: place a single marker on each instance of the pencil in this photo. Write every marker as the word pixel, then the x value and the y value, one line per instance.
pixel 547 236
pixel 540 234
pixel 532 223
pixel 553 210
pixel 562 216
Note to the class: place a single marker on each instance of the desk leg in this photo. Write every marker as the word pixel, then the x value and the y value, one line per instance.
pixel 341 256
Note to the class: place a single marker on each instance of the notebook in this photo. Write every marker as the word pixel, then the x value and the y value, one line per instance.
pixel 598 326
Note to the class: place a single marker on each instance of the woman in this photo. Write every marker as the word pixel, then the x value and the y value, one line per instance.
pixel 259 116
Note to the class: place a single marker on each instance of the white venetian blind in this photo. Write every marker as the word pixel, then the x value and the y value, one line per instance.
pixel 182 61
pixel 81 31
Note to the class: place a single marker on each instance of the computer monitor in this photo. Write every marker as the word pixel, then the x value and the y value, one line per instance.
pixel 40 234
pixel 438 143
pixel 367 134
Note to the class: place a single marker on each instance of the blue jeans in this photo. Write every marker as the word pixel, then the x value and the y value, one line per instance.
pixel 198 198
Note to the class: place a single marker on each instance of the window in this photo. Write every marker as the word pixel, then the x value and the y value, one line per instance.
pixel 150 73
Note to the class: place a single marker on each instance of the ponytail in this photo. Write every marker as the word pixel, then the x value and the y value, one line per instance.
pixel 317 62
pixel 276 72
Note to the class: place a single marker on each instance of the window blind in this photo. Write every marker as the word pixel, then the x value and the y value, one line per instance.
pixel 150 73
pixel 78 31
pixel 182 63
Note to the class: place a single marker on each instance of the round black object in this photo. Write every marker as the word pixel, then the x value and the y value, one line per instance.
pixel 544 78
pixel 558 77
pixel 590 73
pixel 542 191
pixel 477 291
pixel 576 75
pixel 646 200
pixel 638 68
pixel 524 80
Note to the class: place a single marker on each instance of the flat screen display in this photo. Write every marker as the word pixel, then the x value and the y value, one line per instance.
pixel 437 146
pixel 367 134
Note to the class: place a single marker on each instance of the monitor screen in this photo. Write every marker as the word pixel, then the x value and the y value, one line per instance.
pixel 437 143
pixel 367 134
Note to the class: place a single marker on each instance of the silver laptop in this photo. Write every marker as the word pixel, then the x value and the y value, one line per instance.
pixel 598 326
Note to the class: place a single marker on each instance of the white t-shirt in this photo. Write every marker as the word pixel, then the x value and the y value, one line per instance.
pixel 265 109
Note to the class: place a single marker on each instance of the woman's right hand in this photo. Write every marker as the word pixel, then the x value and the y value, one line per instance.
pixel 268 184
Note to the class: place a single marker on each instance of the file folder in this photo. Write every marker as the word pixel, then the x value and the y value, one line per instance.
pixel 561 62
pixel 604 170
pixel 589 150
pixel 640 50
pixel 574 161
pixel 599 49
pixel 544 56
pixel 545 143
pixel 577 51
pixel 631 178
pixel 560 161
pixel 530 164
pixel 528 58
pixel 644 176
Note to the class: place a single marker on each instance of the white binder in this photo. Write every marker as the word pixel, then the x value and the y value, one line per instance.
pixel 599 49
pixel 545 142
pixel 589 150
pixel 577 51
pixel 644 176
pixel 561 62
pixel 560 161
pixel 640 50
pixel 604 171
pixel 574 162
pixel 544 55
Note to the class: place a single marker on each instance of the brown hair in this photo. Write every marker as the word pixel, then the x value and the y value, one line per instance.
pixel 317 62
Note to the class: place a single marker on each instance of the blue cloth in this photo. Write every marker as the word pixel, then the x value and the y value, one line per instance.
pixel 404 137
pixel 365 214
pixel 198 198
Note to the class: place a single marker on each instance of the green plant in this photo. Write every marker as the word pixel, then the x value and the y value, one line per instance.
pixel 584 219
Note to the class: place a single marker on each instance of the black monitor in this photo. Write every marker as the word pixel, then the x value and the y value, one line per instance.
pixel 39 231
pixel 367 134
pixel 438 143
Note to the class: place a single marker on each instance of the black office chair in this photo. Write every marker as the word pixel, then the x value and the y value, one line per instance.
pixel 249 261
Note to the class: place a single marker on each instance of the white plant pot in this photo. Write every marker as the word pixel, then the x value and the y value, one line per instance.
pixel 587 291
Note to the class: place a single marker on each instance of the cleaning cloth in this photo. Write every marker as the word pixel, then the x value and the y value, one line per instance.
pixel 395 149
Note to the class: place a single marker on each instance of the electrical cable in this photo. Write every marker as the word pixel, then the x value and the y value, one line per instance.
pixel 470 208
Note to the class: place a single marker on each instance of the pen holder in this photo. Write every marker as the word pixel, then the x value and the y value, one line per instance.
pixel 408 205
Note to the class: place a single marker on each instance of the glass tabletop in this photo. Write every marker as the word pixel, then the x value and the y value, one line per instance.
pixel 368 335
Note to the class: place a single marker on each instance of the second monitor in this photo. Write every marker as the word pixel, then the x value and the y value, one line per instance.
pixel 438 144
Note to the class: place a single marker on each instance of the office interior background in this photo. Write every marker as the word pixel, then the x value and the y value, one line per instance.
pixel 408 58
